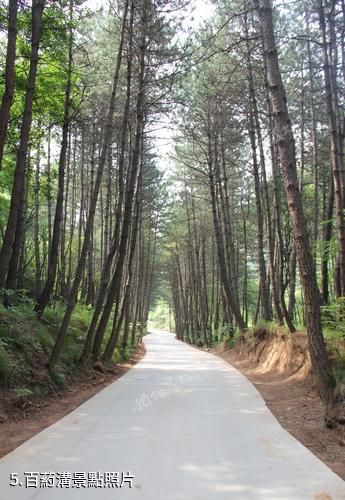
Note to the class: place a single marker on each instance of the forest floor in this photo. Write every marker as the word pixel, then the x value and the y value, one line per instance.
pixel 19 422
pixel 291 395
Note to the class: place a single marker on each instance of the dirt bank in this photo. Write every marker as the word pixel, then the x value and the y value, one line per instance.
pixel 279 366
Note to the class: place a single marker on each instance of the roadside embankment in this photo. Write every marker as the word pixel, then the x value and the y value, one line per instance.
pixel 278 364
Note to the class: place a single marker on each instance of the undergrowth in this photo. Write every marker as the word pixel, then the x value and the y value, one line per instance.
pixel 26 343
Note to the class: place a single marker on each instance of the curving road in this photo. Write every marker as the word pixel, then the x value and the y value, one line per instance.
pixel 185 424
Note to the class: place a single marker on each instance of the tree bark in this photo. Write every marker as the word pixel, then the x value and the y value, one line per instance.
pixel 21 161
pixel 286 146
pixel 106 270
pixel 220 249
pixel 336 152
pixel 72 298
pixel 7 97
pixel 45 295
pixel 37 229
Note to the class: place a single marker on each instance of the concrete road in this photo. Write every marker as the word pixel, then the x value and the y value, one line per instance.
pixel 185 424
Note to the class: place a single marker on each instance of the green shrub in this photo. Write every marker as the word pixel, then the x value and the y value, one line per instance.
pixel 225 334
pixel 59 379
pixel 54 314
pixel 45 339
pixel 234 340
pixel 333 318
pixel 339 373
pixel 125 353
pixel 6 363
pixel 23 392
pixel 271 326
pixel 81 318
pixel 117 356
pixel 38 391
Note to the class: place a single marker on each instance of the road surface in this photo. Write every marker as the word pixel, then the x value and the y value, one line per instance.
pixel 185 424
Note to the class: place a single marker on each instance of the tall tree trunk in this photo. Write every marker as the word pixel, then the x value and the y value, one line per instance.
pixel 327 236
pixel 37 229
pixel 106 239
pixel 46 293
pixel 90 295
pixel 69 202
pixel 278 247
pixel 49 191
pixel 118 318
pixel 220 248
pixel 286 146
pixel 315 155
pixel 7 96
pixel 12 274
pixel 22 256
pixel 92 208
pixel 117 278
pixel 106 270
pixel 252 128
pixel 19 173
pixel 336 158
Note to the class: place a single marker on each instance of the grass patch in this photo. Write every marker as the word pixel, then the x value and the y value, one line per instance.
pixel 7 363
pixel 26 343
